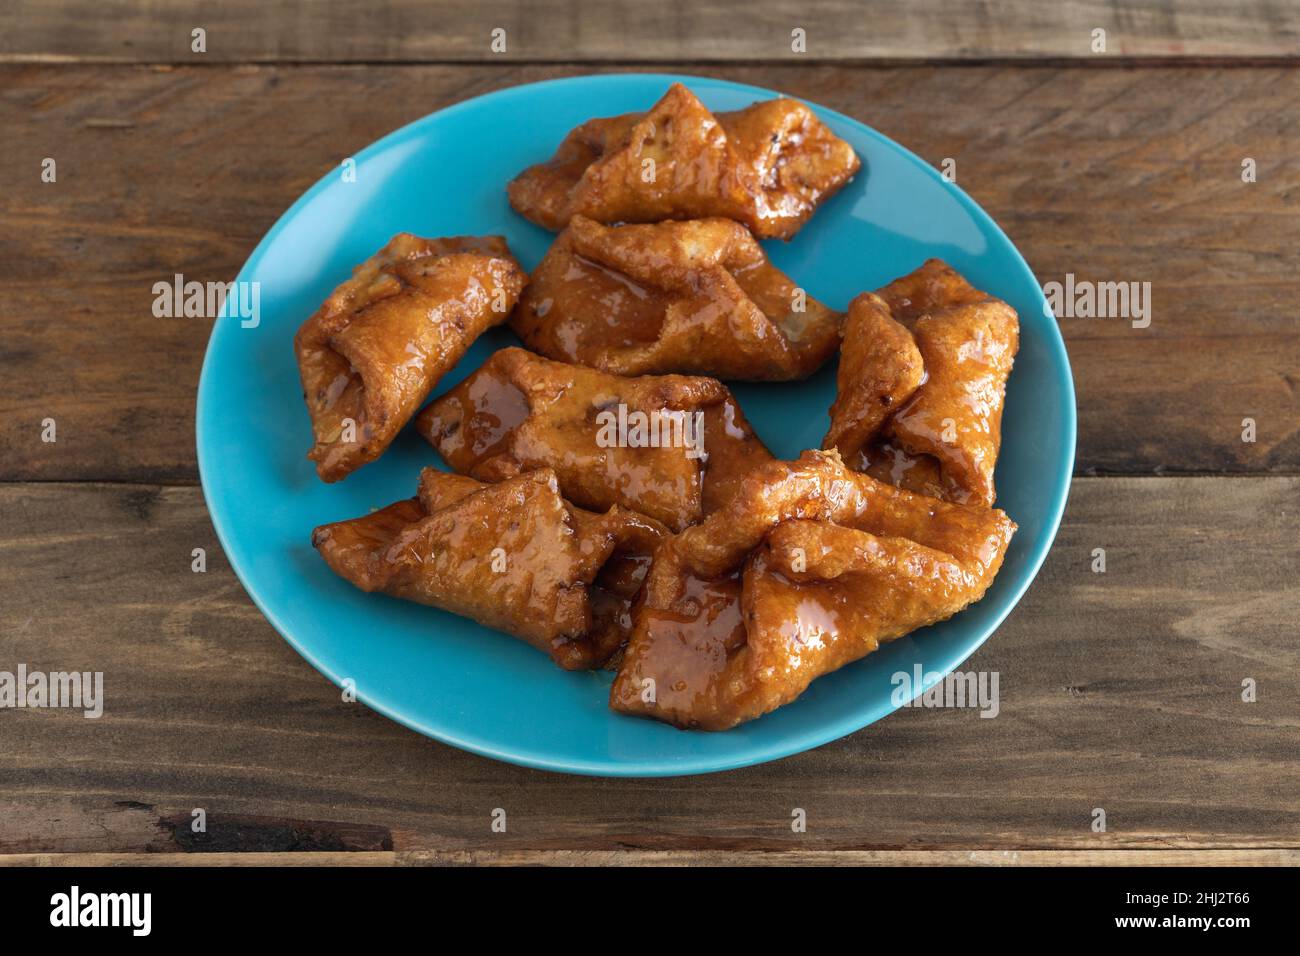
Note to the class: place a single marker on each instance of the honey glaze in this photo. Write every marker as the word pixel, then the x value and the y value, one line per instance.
pixel 382 340
pixel 670 447
pixel 967 340
pixel 475 422
pixel 830 564
pixel 513 555
pixel 601 309
pixel 886 461
pixel 767 166
pixel 683 651
pixel 697 297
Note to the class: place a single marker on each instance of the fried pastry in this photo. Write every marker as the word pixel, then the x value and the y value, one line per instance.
pixel 943 440
pixel 672 447
pixel 371 354
pixel 767 166
pixel 514 556
pixel 880 368
pixel 697 297
pixel 808 567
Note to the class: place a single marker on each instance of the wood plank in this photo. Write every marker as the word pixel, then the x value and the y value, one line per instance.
pixel 628 30
pixel 858 858
pixel 1119 690
pixel 1108 175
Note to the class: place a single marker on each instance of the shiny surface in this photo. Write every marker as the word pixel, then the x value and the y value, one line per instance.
pixel 968 342
pixel 698 297
pixel 830 563
pixel 519 411
pixel 481 690
pixel 880 369
pixel 370 354
pixel 513 556
pixel 767 166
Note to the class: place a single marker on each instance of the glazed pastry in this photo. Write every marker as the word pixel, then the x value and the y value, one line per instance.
pixel 370 356
pixel 514 556
pixel 672 447
pixel 697 297
pixel 880 368
pixel 767 166
pixel 808 567
pixel 944 440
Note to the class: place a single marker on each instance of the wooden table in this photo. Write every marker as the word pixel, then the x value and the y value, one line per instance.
pixel 1120 690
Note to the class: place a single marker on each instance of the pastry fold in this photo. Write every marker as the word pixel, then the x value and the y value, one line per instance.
pixel 514 556
pixel 808 567
pixel 767 166
pixel 371 354
pixel 672 447
pixel 880 368
pixel 937 433
pixel 697 297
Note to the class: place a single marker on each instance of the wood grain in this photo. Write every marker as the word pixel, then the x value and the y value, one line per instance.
pixel 856 858
pixel 1114 175
pixel 569 31
pixel 1119 690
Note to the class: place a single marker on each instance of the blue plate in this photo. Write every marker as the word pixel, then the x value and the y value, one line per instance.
pixel 481 690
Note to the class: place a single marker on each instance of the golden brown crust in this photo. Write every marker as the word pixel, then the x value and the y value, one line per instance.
pixel 384 338
pixel 695 297
pixel 880 368
pixel 808 567
pixel 887 461
pixel 520 411
pixel 767 166
pixel 514 556
pixel 944 439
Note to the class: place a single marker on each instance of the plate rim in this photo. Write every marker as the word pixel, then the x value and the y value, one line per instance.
pixel 697 764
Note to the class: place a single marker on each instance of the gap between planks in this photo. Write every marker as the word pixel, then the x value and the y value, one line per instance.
pixel 1279 856
pixel 1280 61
